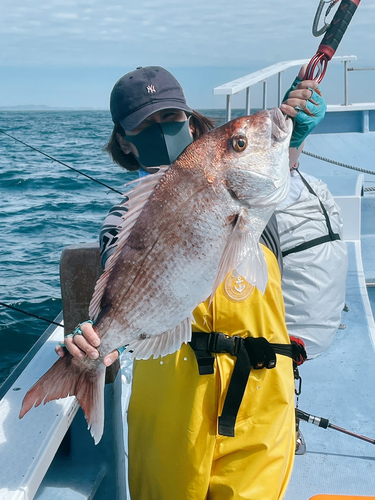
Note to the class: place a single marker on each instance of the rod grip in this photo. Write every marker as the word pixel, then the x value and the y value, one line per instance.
pixel 338 26
pixel 312 419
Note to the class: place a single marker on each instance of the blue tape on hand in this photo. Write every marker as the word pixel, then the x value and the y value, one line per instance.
pixel 304 124
pixel 87 321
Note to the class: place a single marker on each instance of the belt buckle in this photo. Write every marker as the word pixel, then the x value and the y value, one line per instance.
pixel 226 343
pixel 237 344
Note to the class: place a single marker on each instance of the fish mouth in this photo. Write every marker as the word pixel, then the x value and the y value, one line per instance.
pixel 281 125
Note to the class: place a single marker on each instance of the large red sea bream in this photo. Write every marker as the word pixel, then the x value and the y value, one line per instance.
pixel 186 228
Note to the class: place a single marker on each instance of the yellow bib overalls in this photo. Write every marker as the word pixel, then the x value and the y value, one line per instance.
pixel 175 452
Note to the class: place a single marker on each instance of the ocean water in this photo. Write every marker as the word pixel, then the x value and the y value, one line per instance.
pixel 45 207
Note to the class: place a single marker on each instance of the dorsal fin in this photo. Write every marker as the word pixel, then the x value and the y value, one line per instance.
pixel 137 199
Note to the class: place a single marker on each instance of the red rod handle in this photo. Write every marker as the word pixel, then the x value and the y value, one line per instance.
pixel 317 66
pixel 337 28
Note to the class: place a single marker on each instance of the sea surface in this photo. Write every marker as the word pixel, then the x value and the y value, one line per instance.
pixel 45 206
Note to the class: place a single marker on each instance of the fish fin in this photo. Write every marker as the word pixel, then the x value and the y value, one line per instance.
pixel 95 303
pixel 142 187
pixel 137 198
pixel 253 266
pixel 161 345
pixel 230 257
pixel 243 255
pixel 69 377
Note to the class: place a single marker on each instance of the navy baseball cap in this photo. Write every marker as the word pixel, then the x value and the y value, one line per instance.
pixel 140 93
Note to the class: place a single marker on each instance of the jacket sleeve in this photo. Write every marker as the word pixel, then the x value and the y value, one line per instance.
pixel 109 231
pixel 270 238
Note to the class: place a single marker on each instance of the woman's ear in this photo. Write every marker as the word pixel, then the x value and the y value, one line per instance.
pixel 191 127
pixel 124 144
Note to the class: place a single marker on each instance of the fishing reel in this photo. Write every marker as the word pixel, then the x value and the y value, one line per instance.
pixel 334 31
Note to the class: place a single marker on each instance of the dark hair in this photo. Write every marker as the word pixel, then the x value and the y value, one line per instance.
pixel 200 123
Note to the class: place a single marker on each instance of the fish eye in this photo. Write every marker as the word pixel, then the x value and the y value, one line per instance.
pixel 239 143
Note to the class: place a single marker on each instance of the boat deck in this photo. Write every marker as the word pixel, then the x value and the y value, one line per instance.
pixel 339 385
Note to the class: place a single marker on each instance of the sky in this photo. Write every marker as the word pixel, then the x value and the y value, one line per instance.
pixel 70 53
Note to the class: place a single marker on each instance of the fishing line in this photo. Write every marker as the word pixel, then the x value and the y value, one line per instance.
pixel 30 314
pixel 61 162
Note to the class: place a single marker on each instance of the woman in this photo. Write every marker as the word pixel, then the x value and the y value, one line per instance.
pixel 191 435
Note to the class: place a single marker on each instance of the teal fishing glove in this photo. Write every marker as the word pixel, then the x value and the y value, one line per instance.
pixel 304 124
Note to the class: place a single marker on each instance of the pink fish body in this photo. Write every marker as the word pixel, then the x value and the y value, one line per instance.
pixel 186 228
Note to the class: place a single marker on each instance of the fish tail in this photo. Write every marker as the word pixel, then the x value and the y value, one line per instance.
pixel 69 377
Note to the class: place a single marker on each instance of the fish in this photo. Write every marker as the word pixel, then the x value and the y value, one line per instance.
pixel 186 228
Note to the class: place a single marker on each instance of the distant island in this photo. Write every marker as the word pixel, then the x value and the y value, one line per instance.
pixel 43 107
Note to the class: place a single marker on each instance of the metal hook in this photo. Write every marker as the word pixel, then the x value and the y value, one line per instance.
pixel 315 30
pixel 298 380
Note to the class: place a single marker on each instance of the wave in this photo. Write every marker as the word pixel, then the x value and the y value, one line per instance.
pixel 19 332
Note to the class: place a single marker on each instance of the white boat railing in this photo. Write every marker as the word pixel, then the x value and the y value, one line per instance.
pixel 346 83
pixel 246 82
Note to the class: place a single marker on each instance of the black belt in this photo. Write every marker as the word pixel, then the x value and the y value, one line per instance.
pixel 250 352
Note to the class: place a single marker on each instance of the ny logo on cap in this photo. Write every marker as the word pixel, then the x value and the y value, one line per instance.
pixel 151 89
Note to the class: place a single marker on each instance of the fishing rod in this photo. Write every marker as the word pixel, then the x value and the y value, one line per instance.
pixel 61 162
pixel 334 31
pixel 71 168
pixel 30 314
pixel 324 423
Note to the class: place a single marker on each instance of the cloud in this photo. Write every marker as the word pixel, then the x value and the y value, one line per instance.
pixel 65 15
pixel 188 32
pixel 107 34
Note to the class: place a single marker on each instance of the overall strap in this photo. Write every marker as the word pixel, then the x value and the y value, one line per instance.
pixel 330 236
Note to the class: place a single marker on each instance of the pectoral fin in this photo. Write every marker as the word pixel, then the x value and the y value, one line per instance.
pixel 161 345
pixel 243 255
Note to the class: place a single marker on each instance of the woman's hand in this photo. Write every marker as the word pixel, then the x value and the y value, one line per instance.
pixel 85 344
pixel 305 104
pixel 300 94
